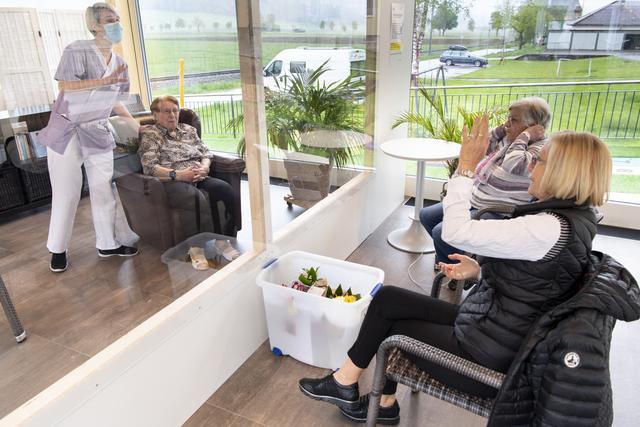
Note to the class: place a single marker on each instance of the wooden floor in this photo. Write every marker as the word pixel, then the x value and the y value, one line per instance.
pixel 71 316
pixel 264 391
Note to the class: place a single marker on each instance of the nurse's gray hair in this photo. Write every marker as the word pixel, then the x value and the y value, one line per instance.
pixel 92 15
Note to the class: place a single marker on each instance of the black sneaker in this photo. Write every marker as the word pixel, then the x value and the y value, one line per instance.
pixel 327 389
pixel 121 251
pixel 386 416
pixel 58 262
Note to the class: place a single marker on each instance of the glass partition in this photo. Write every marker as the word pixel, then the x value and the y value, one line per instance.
pixel 315 77
pixel 108 211
pixel 111 207
pixel 580 57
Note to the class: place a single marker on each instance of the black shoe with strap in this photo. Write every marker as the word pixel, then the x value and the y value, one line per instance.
pixel 121 251
pixel 329 390
pixel 386 415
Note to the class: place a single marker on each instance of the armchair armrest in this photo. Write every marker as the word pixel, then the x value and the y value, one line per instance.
pixel 229 169
pixel 227 164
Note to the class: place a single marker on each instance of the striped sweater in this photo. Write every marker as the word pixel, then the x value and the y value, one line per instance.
pixel 502 178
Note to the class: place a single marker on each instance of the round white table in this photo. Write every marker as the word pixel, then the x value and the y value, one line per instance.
pixel 415 238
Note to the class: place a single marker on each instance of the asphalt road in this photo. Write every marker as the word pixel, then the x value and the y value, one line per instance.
pixel 454 70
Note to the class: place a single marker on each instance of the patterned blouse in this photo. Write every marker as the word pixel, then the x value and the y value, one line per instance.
pixel 159 148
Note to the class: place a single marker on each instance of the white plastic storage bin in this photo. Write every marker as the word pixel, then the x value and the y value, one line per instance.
pixel 311 328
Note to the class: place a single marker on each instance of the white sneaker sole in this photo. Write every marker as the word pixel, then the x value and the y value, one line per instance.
pixel 110 255
pixel 58 270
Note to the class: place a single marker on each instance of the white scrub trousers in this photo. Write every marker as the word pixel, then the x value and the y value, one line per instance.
pixel 109 221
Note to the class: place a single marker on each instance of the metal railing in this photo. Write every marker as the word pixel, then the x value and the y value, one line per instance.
pixel 216 111
pixel 609 109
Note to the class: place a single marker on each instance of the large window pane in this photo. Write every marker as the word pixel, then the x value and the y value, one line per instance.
pixel 317 83
pixel 580 58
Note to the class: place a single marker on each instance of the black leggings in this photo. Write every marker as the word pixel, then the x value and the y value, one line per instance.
pixel 397 311
pixel 220 195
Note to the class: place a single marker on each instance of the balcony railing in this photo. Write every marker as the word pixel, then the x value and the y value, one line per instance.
pixel 609 109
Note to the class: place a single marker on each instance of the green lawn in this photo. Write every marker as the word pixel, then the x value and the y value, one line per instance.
pixel 611 112
pixel 517 52
pixel 199 88
pixel 578 109
pixel 199 55
pixel 512 71
pixel 202 55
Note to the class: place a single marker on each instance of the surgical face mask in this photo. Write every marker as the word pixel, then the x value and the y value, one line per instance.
pixel 113 32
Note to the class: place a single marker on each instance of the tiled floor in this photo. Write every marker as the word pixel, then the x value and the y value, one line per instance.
pixel 264 391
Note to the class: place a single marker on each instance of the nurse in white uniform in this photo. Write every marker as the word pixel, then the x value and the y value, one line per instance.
pixel 86 67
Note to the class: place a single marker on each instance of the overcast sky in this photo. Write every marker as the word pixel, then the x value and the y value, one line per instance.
pixel 480 11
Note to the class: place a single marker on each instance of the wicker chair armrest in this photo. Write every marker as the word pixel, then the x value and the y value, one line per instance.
pixel 447 360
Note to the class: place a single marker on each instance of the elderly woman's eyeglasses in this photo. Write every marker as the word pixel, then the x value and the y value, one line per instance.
pixel 535 159
pixel 169 111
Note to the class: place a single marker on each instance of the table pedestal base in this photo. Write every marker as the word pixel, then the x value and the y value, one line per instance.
pixel 414 239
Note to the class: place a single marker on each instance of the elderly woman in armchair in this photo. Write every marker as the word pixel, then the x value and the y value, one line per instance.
pixel 173 152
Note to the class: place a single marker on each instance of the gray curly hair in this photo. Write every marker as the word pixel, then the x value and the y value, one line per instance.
pixel 535 110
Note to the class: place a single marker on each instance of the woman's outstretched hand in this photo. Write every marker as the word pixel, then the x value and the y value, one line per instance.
pixel 474 144
pixel 467 268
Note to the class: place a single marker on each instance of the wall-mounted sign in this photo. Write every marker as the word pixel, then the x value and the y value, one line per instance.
pixel 397 21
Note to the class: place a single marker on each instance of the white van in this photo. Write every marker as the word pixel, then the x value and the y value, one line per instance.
pixel 342 62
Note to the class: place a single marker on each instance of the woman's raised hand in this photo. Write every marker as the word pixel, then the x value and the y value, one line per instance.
pixel 467 268
pixel 536 132
pixel 474 144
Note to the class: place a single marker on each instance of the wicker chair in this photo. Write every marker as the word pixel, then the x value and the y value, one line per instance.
pixel 391 363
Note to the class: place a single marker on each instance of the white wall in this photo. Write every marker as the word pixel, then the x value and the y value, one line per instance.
pixel 610 41
pixel 559 40
pixel 162 371
pixel 584 41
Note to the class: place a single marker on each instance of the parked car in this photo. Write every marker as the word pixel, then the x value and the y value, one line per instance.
pixel 457 47
pixel 453 57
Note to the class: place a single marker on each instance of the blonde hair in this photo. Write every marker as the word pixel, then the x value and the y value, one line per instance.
pixel 578 167
pixel 535 111
pixel 92 15
pixel 155 105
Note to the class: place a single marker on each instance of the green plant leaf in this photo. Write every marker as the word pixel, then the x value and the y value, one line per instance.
pixel 329 293
pixel 436 123
pixel 301 104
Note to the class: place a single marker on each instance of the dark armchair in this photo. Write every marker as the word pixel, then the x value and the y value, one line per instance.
pixel 146 203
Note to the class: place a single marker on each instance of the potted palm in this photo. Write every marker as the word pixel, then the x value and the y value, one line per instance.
pixel 316 126
pixel 442 126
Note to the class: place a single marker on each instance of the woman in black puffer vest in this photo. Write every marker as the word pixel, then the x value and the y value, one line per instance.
pixel 528 265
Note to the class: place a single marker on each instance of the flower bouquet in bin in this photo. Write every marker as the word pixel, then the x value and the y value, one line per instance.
pixel 308 281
